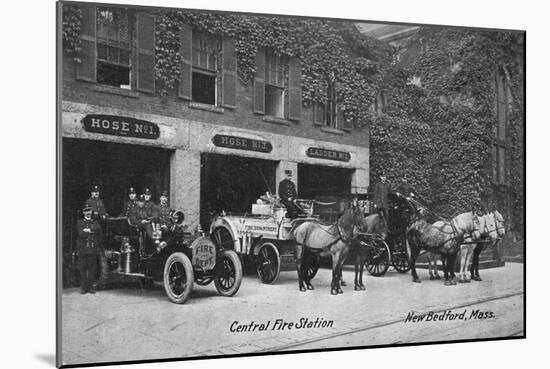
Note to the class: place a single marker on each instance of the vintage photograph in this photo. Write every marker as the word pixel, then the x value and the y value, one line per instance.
pixel 241 184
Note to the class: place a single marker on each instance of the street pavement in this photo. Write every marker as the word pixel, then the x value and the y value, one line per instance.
pixel 131 323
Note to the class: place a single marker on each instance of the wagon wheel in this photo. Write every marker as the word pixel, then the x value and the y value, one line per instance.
pixel 310 266
pixel 222 238
pixel 400 260
pixel 178 278
pixel 230 274
pixel 378 261
pixel 268 263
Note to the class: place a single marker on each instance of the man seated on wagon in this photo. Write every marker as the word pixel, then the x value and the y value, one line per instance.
pixel 288 194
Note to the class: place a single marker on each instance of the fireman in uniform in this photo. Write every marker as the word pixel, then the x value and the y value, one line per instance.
pixel 178 229
pixel 130 211
pixel 287 193
pixel 100 214
pixel 164 212
pixel 96 203
pixel 89 242
pixel 381 193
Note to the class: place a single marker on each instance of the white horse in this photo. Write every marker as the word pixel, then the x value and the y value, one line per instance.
pixel 488 233
pixel 500 227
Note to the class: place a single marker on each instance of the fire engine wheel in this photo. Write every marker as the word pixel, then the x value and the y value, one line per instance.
pixel 222 238
pixel 268 263
pixel 230 273
pixel 178 278
pixel 378 260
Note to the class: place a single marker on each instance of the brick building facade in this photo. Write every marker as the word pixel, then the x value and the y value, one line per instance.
pixel 215 144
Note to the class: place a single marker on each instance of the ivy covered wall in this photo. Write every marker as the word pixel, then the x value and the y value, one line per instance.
pixel 440 132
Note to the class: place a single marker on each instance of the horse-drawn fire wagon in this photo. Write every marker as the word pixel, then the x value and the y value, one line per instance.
pixel 264 236
pixel 176 263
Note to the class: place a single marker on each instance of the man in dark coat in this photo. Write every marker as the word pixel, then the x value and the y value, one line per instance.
pixel 130 210
pixel 89 242
pixel 97 205
pixel 404 188
pixel 287 193
pixel 164 212
pixel 381 192
pixel 100 214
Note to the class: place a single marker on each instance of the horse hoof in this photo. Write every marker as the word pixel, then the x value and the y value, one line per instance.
pixel 476 278
pixel 357 288
pixel 343 283
pixel 340 291
pixel 416 280
pixel 333 292
pixel 432 277
pixel 453 282
pixel 302 289
pixel 363 288
pixel 447 282
pixel 310 287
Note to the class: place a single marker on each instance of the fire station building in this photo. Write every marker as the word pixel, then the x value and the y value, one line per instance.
pixel 213 143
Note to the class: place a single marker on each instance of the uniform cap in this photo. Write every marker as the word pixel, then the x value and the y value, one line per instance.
pixel 147 191
pixel 142 197
pixel 87 207
pixel 288 172
pixel 95 189
pixel 164 193
pixel 132 190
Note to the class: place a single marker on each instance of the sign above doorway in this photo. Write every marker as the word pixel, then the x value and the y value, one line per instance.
pixel 319 153
pixel 242 143
pixel 120 126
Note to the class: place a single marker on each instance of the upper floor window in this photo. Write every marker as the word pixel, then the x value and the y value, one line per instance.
pixel 118 48
pixel 113 47
pixel 329 113
pixel 206 79
pixel 277 85
pixel 209 68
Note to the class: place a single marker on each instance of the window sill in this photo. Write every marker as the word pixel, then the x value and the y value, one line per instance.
pixel 206 107
pixel 115 91
pixel 334 131
pixel 272 119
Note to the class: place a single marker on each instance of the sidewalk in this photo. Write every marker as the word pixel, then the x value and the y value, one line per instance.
pixel 135 324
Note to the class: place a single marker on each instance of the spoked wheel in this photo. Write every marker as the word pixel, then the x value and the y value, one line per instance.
pixel 378 261
pixel 230 273
pixel 178 278
pixel 268 263
pixel 400 260
pixel 222 238
pixel 310 266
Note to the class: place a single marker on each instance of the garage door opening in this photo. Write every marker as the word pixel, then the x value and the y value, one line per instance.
pixel 114 167
pixel 316 181
pixel 233 183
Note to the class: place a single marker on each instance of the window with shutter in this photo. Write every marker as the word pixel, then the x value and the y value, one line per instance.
pixel 229 73
pixel 86 68
pixel 275 85
pixel 113 40
pixel 259 82
pixel 146 52
pixel 206 50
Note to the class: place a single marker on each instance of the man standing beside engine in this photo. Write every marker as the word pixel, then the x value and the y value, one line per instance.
pixel 130 210
pixel 89 243
pixel 381 192
pixel 100 214
pixel 164 211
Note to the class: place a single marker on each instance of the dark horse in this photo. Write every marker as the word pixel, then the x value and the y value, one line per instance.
pixel 333 240
pixel 376 227
pixel 442 238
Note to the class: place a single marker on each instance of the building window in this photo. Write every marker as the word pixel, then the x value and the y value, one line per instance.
pixel 275 85
pixel 205 77
pixel 113 47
